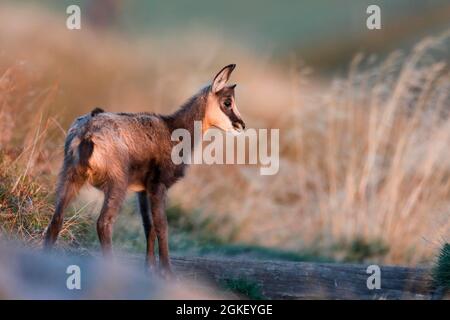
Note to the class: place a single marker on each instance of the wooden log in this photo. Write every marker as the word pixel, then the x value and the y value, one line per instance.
pixel 300 280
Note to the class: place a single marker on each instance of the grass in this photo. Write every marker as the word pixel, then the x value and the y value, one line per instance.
pixel 243 287
pixel 441 272
pixel 364 157
pixel 360 249
pixel 28 153
pixel 197 235
pixel 24 206
pixel 191 235
pixel 364 164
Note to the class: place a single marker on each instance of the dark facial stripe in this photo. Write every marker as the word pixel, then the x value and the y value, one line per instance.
pixel 233 117
pixel 228 93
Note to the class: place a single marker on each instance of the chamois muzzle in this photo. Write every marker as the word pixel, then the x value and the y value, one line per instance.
pixel 239 125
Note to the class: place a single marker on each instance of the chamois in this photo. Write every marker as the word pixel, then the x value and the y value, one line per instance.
pixel 117 152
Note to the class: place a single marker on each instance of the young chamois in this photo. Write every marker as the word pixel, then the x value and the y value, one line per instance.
pixel 116 152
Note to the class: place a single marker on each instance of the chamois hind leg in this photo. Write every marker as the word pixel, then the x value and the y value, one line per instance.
pixel 69 183
pixel 150 233
pixel 158 203
pixel 114 196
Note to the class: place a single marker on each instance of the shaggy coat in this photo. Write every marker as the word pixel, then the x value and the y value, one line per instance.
pixel 117 152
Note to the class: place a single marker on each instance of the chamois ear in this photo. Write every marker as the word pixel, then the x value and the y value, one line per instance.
pixel 221 79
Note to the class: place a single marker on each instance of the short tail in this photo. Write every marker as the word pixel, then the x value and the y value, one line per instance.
pixel 86 146
pixel 96 111
pixel 85 149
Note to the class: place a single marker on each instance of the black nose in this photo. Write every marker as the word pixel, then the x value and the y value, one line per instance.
pixel 239 123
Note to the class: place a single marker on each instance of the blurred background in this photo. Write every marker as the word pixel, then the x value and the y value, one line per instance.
pixel 363 119
pixel 326 34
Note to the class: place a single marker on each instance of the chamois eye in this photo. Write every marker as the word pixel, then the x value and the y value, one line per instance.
pixel 227 103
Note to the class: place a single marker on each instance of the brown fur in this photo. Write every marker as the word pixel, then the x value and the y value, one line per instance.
pixel 116 152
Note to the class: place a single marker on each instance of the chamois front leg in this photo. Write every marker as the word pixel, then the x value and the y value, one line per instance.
pixel 158 194
pixel 149 229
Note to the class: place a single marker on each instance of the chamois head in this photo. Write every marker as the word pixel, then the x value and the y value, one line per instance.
pixel 221 110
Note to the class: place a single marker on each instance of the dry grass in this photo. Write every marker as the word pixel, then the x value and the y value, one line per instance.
pixel 27 155
pixel 366 157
